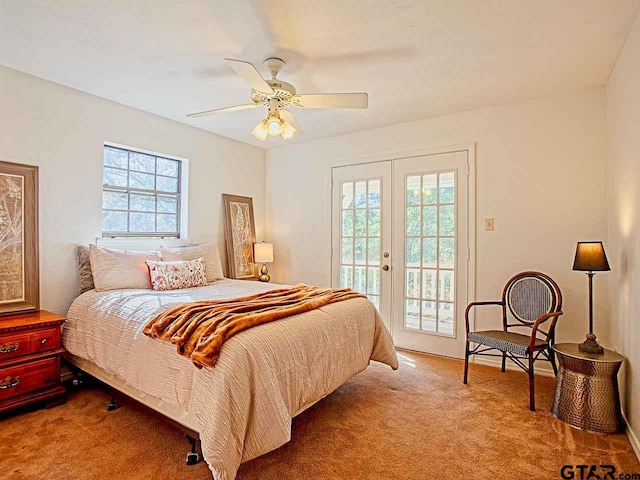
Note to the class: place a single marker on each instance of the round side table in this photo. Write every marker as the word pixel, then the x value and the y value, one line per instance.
pixel 587 394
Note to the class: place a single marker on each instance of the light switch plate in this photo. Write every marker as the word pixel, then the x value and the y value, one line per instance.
pixel 488 224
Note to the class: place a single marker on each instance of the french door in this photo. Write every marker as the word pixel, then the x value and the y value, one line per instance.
pixel 361 222
pixel 400 235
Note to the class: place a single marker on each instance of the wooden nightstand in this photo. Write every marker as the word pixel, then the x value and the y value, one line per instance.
pixel 30 352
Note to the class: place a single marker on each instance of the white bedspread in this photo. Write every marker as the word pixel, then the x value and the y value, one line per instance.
pixel 264 377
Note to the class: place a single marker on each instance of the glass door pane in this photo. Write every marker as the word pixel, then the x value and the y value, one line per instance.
pixel 360 237
pixel 430 252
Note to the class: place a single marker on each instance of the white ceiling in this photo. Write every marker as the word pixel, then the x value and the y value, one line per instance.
pixel 416 58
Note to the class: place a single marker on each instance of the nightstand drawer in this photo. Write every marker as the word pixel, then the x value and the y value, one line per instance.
pixel 44 340
pixel 15 345
pixel 35 341
pixel 29 377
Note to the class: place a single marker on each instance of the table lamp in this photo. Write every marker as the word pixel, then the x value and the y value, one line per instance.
pixel 590 257
pixel 263 253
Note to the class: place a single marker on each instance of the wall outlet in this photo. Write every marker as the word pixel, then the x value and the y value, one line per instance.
pixel 488 224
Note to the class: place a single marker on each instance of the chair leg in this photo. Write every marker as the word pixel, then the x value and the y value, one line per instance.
pixel 466 362
pixel 504 361
pixel 552 357
pixel 532 392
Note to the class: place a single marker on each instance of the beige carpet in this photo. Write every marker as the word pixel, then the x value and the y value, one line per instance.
pixel 420 422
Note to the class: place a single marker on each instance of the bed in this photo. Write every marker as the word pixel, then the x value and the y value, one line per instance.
pixel 265 376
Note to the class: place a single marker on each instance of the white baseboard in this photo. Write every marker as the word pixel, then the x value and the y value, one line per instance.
pixel 546 371
pixel 633 438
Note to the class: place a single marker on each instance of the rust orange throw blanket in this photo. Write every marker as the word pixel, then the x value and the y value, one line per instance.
pixel 199 329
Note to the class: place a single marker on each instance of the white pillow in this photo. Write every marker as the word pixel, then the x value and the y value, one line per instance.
pixel 207 251
pixel 114 269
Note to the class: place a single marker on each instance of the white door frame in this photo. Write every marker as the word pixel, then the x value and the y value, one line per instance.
pixel 469 147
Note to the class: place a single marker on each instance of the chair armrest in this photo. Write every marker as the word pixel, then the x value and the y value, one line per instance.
pixel 541 319
pixel 477 304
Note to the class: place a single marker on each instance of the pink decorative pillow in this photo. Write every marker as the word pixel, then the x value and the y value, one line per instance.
pixel 176 275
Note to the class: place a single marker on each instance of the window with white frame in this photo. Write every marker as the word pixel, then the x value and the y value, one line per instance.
pixel 140 194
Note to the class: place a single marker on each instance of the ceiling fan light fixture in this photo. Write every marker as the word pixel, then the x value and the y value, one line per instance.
pixel 260 132
pixel 287 130
pixel 274 125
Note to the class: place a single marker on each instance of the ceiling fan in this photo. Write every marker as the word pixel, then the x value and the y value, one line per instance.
pixel 277 96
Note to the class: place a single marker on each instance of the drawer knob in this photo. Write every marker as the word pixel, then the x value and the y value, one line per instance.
pixel 9 383
pixel 43 341
pixel 9 347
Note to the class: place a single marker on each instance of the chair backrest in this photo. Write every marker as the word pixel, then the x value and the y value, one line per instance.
pixel 528 295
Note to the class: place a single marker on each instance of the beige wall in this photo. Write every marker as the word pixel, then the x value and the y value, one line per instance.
pixel 540 173
pixel 623 156
pixel 62 131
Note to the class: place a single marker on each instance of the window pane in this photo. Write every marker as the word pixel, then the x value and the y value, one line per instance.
pixel 114 221
pixel 347 250
pixel 361 194
pixel 360 252
pixel 374 222
pixel 142 222
pixel 114 200
pixel 413 190
pixel 445 318
pixel 167 167
pixel 347 223
pixel 413 252
pixel 373 280
pixel 430 189
pixel 142 202
pixel 413 221
pixel 360 279
pixel 346 277
pixel 114 157
pixel 447 187
pixel 447 220
pixel 446 286
pixel 347 195
pixel 141 180
pixel 429 316
pixel 374 193
pixel 430 221
pixel 412 314
pixel 142 162
pixel 167 184
pixel 373 251
pixel 130 186
pixel 114 178
pixel 447 253
pixel 167 223
pixel 167 204
pixel 429 284
pixel 429 252
pixel 413 283
pixel 361 223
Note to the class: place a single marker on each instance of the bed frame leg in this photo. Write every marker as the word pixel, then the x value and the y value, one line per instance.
pixel 193 457
pixel 113 405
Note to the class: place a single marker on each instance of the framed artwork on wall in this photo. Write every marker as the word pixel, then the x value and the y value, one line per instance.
pixel 19 265
pixel 240 235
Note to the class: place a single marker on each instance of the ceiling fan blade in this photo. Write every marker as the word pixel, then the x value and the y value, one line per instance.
pixel 288 116
pixel 250 75
pixel 223 110
pixel 332 100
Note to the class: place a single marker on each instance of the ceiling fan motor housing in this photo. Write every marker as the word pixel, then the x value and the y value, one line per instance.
pixel 283 92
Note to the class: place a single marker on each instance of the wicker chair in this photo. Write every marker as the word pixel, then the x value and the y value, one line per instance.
pixel 531 298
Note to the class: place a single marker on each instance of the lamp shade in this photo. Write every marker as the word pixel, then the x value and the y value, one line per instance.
pixel 263 252
pixel 590 257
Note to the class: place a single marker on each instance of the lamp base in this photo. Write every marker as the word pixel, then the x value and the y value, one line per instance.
pixel 264 274
pixel 590 345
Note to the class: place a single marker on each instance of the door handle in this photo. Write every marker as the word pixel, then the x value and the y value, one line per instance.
pixel 385 267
